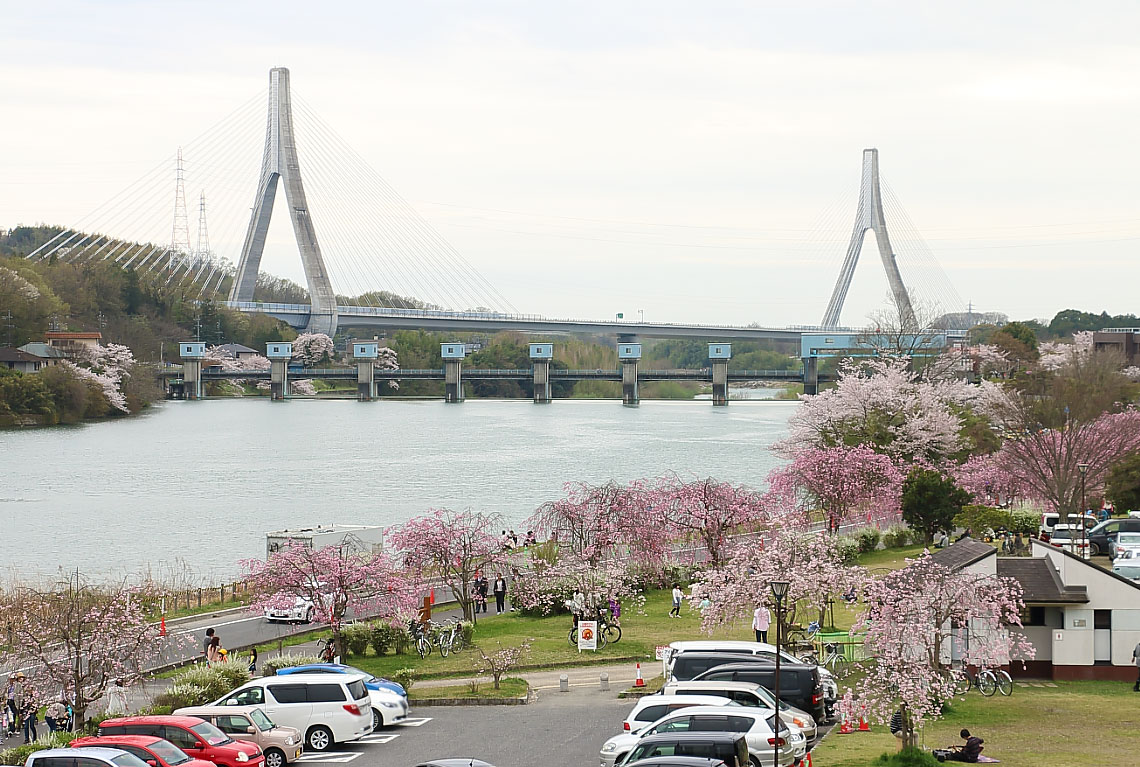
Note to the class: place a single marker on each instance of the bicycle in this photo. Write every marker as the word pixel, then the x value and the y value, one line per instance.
pixel 420 639
pixel 1004 681
pixel 835 660
pixel 607 632
pixel 985 680
pixel 448 637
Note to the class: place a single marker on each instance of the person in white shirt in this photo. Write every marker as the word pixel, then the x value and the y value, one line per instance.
pixel 678 595
pixel 761 620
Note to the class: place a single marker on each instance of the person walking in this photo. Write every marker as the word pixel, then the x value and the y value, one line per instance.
pixel 480 593
pixel 29 710
pixel 10 704
pixel 761 620
pixel 214 651
pixel 117 698
pixel 206 644
pixel 678 595
pixel 252 667
pixel 500 590
pixel 1136 660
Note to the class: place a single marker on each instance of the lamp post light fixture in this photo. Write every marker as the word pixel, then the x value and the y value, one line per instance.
pixel 779 592
pixel 1083 468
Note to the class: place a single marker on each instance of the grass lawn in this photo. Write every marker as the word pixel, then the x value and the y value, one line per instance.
pixel 1074 723
pixel 640 634
pixel 892 559
pixel 508 688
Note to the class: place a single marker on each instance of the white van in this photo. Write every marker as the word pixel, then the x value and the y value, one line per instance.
pixel 327 708
pixel 746 694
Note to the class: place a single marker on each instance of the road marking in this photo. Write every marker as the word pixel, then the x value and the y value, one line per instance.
pixel 414 722
pixel 374 738
pixel 336 757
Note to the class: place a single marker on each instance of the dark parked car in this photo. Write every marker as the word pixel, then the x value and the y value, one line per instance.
pixel 1106 532
pixel 800 684
pixel 679 761
pixel 689 665
pixel 729 747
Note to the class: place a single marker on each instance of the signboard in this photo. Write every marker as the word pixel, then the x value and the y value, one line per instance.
pixel 660 650
pixel 587 635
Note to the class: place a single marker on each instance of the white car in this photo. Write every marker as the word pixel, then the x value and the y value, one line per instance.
pixel 650 708
pixel 746 694
pixel 302 611
pixel 755 723
pixel 327 708
pixel 826 678
pixel 1125 541
pixel 1127 568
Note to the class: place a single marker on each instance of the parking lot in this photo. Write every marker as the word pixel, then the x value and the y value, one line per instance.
pixel 557 730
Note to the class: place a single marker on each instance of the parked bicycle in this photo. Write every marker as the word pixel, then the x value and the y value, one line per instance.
pixel 987 681
pixel 834 659
pixel 421 640
pixel 608 631
pixel 448 637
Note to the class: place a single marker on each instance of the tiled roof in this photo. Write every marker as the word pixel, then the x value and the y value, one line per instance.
pixel 43 350
pixel 9 354
pixel 63 335
pixel 1039 581
pixel 963 553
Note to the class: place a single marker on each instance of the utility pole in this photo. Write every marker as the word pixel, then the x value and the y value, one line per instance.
pixel 8 321
pixel 198 328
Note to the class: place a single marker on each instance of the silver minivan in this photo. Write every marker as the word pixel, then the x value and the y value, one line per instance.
pixel 326 708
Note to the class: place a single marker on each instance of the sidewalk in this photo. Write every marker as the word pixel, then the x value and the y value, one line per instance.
pixel 621 676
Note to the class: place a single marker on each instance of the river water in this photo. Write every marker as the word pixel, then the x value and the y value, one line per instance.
pixel 198 484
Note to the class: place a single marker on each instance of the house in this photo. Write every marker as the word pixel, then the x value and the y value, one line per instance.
pixel 69 343
pixel 236 351
pixel 49 355
pixel 1082 620
pixel 1122 341
pixel 21 361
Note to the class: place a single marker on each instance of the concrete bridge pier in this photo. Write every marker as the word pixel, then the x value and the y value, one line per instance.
pixel 540 356
pixel 811 375
pixel 453 355
pixel 192 353
pixel 279 353
pixel 719 355
pixel 628 355
pixel 365 355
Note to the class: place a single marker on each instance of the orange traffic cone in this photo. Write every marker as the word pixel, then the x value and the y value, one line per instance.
pixel 639 682
pixel 806 760
pixel 845 728
pixel 431 596
pixel 863 726
pixel 162 626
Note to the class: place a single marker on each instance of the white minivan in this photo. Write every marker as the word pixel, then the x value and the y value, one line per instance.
pixel 327 708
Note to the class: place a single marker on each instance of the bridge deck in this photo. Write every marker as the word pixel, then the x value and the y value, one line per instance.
pixel 475 374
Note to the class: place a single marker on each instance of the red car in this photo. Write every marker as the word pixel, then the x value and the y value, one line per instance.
pixel 199 739
pixel 156 752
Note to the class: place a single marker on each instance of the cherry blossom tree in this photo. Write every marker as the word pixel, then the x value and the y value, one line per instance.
pixel 388 359
pixel 597 521
pixel 105 366
pixel 912 615
pixel 313 348
pixel 989 360
pixel 704 511
pixel 336 579
pixel 543 588
pixel 812 563
pixel 881 403
pixel 988 480
pixel 500 661
pixel 838 482
pixel 79 638
pixel 452 546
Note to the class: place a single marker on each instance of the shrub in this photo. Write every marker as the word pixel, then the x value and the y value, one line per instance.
pixel 896 537
pixel 848 550
pixel 356 638
pixel 215 680
pixel 404 677
pixel 181 694
pixel 468 629
pixel 868 539
pixel 384 637
pixel 271 666
pixel 908 757
pixel 1024 521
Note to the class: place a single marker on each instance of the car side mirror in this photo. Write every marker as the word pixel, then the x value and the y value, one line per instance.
pixel 199 744
pixel 152 762
pixel 250 729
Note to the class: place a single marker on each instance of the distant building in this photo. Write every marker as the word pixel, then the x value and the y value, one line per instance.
pixel 1123 341
pixel 236 351
pixel 49 355
pixel 70 343
pixel 15 359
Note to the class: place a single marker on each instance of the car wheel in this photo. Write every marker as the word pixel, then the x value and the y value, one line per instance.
pixel 274 757
pixel 319 738
pixel 1094 550
pixel 377 720
pixel 755 761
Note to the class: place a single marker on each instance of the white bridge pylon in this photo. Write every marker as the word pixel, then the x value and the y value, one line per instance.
pixel 869 216
pixel 280 162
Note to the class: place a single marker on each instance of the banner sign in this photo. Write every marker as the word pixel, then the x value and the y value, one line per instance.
pixel 587 635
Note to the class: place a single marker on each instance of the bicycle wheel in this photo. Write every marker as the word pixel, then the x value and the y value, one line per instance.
pixel 987 683
pixel 444 645
pixel 457 641
pixel 612 632
pixel 423 646
pixel 573 637
pixel 1004 682
pixel 839 665
pixel 962 682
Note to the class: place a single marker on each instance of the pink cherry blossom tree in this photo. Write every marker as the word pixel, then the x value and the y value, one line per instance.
pixel 388 359
pixel 597 521
pixel 885 405
pixel 451 546
pixel 838 483
pixel 574 583
pixel 912 615
pixel 78 638
pixel 336 579
pixel 704 511
pixel 812 563
pixel 988 480
pixel 313 348
pixel 107 367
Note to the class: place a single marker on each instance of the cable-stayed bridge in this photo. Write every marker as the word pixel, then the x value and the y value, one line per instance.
pixel 370 260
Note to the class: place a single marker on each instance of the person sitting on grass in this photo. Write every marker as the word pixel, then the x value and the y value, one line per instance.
pixel 969 751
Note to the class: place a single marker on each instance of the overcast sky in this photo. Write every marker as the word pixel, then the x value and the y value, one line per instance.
pixel 695 161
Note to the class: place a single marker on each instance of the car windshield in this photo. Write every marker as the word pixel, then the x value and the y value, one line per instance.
pixel 168 752
pixel 263 722
pixel 128 760
pixel 1128 539
pixel 1132 572
pixel 1060 534
pixel 368 678
pixel 211 734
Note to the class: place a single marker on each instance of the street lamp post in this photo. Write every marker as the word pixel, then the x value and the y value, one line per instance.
pixel 1083 468
pixel 779 591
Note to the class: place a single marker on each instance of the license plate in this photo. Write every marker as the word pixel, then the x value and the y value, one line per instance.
pixel 297 754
